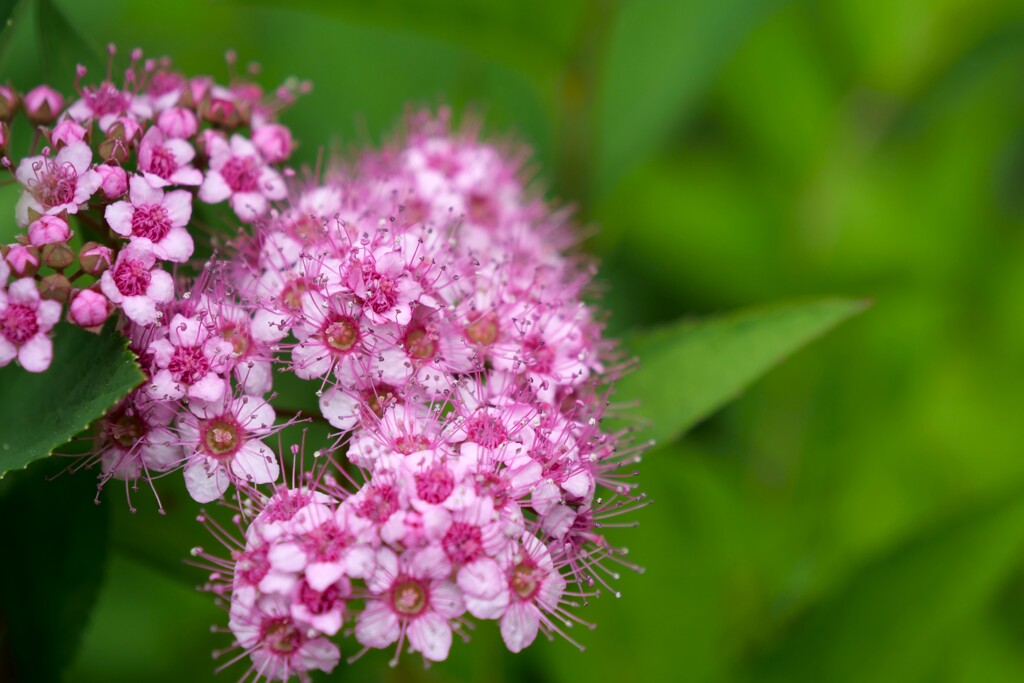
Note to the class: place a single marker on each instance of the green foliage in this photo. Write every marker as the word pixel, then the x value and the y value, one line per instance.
pixel 690 369
pixel 42 412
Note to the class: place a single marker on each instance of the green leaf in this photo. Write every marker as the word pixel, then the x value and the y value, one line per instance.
pixel 8 10
pixel 55 548
pixel 61 46
pixel 913 602
pixel 690 369
pixel 39 412
pixel 661 59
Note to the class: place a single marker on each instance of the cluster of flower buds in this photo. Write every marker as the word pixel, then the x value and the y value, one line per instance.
pixel 428 296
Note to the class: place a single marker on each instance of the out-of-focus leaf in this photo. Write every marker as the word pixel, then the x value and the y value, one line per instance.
pixel 8 8
pixel 89 374
pixel 910 603
pixel 690 369
pixel 49 577
pixel 662 56
pixel 533 36
pixel 61 47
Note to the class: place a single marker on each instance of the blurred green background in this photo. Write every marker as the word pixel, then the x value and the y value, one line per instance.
pixel 859 514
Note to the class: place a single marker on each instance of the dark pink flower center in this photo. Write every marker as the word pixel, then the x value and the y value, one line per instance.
pixel 125 430
pixel 252 565
pixel 54 185
pixel 317 602
pixel 380 503
pixel 281 636
pixel 220 437
pixel 188 364
pixel 242 174
pixel 164 82
pixel 539 356
pixel 327 543
pixel 409 597
pixel 342 335
pixel 463 543
pixel 420 344
pixel 435 485
pixel 132 277
pixel 486 431
pixel 382 293
pixel 151 221
pixel 525 580
pixel 162 162
pixel 18 323
pixel 105 99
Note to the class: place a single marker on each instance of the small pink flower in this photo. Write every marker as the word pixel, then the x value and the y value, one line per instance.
pixel 95 258
pixel 48 230
pixel 165 161
pixel 155 216
pixel 189 362
pixel 238 172
pixel 25 320
pixel 115 181
pixel 57 185
pixel 67 132
pixel 89 309
pixel 136 284
pixel 135 439
pixel 105 103
pixel 178 122
pixel 274 142
pixel 411 598
pixel 42 104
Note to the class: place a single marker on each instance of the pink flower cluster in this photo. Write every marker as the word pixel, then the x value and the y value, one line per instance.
pixel 427 295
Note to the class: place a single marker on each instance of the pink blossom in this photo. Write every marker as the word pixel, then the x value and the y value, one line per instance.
pixel 105 103
pixel 189 362
pixel 67 132
pixel 166 161
pixel 238 172
pixel 43 103
pixel 25 321
pixel 136 284
pixel 57 185
pixel 23 261
pixel 222 444
pixel 89 309
pixel 115 180
pixel 48 230
pixel 160 218
pixel 178 122
pixel 274 142
pixel 136 438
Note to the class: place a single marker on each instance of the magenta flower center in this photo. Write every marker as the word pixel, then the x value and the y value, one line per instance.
pixel 281 636
pixel 132 277
pixel 242 174
pixel 463 543
pixel 252 566
pixel 221 436
pixel 162 163
pixel 540 357
pixel 18 323
pixel 382 293
pixel 151 221
pixel 486 431
pixel 317 602
pixel 524 580
pixel 188 364
pixel 105 99
pixel 420 344
pixel 54 185
pixel 342 335
pixel 380 504
pixel 435 485
pixel 409 598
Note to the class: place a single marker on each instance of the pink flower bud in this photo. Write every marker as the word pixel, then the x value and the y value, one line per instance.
pixel 89 309
pixel 274 142
pixel 58 255
pixel 55 287
pixel 67 132
pixel 115 180
pixel 94 258
pixel 124 128
pixel 42 104
pixel 178 123
pixel 48 230
pixel 8 102
pixel 24 261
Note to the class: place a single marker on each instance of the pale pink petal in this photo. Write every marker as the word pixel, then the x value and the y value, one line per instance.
pixel 48 314
pixel 161 286
pixel 446 600
pixel 163 386
pixel 182 151
pixel 23 291
pixel 176 246
pixel 35 354
pixel 320 575
pixel 377 625
pixel 431 636
pixel 214 189
pixel 319 653
pixel 187 176
pixel 140 309
pixel 141 192
pixel 8 351
pixel 519 626
pixel 255 463
pixel 287 557
pixel 272 184
pixel 248 205
pixel 310 361
pixel 339 408
pixel 205 482
pixel 488 609
pixel 482 578
pixel 209 388
pixel 119 217
pixel 79 155
pixel 178 205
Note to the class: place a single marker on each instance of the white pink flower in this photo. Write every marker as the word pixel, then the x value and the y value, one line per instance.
pixel 155 216
pixel 189 362
pixel 238 173
pixel 57 185
pixel 137 284
pixel 25 322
